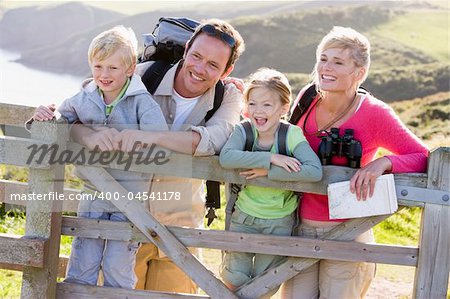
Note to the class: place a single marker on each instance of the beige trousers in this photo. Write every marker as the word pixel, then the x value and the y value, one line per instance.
pixel 160 273
pixel 329 278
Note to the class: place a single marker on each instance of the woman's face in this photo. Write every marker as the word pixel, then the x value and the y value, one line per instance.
pixel 336 70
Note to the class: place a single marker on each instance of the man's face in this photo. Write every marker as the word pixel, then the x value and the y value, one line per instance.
pixel 203 66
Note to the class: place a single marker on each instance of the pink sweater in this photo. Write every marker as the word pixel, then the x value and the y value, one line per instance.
pixel 376 126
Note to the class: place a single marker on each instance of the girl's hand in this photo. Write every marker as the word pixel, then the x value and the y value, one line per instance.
pixel 254 173
pixel 239 83
pixel 363 181
pixel 44 113
pixel 288 163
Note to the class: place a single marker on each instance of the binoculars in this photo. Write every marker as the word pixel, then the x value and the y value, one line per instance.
pixel 346 146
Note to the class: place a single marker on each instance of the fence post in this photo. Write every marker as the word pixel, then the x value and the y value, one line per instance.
pixel 432 272
pixel 43 218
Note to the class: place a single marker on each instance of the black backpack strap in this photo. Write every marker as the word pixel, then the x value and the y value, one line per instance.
pixel 218 98
pixel 282 139
pixel 213 187
pixel 249 138
pixel 154 75
pixel 303 104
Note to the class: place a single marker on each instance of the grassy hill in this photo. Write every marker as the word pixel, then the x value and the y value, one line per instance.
pixel 409 39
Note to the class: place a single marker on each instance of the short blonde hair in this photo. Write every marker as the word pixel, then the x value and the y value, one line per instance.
pixel 275 81
pixel 108 42
pixel 345 38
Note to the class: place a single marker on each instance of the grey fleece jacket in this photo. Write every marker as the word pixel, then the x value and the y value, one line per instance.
pixel 136 110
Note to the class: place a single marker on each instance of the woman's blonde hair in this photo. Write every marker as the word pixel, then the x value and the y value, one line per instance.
pixel 108 42
pixel 345 38
pixel 273 80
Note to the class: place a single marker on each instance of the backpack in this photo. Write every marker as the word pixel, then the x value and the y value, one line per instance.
pixel 168 39
pixel 166 45
pixel 282 149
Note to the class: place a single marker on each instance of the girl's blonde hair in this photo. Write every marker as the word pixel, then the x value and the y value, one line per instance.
pixel 345 38
pixel 274 81
pixel 108 42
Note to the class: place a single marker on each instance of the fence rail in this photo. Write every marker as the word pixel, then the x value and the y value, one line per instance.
pixel 36 253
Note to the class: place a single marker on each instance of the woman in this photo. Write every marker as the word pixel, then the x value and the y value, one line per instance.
pixel 343 60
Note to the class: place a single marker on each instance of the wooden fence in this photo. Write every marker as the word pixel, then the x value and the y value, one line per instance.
pixel 36 254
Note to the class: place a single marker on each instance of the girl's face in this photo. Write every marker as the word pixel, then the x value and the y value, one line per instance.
pixel 337 70
pixel 265 109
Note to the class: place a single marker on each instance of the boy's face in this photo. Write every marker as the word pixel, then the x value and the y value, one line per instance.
pixel 111 74
pixel 204 64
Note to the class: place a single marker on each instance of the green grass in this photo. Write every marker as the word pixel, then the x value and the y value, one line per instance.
pixel 401 228
pixel 426 31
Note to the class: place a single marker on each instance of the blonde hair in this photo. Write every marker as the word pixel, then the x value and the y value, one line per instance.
pixel 108 42
pixel 225 27
pixel 345 38
pixel 275 81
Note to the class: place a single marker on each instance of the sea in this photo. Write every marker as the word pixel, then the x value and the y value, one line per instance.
pixel 21 85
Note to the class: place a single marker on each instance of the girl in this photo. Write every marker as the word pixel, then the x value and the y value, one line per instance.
pixel 265 210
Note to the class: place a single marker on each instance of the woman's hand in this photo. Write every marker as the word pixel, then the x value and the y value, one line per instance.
pixel 288 163
pixel 44 113
pixel 363 182
pixel 239 83
pixel 254 173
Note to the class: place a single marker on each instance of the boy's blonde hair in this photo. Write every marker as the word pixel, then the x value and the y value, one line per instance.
pixel 274 81
pixel 108 42
pixel 346 38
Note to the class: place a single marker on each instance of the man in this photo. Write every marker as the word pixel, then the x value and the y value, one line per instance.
pixel 185 95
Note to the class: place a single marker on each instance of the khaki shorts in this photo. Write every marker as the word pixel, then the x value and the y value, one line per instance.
pixel 329 278
pixel 160 273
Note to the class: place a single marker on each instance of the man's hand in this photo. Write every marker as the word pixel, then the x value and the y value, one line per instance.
pixel 129 140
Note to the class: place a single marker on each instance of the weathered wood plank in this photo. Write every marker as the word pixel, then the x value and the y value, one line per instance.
pixel 11 114
pixel 209 168
pixel 14 151
pixel 12 193
pixel 78 291
pixel 158 234
pixel 432 272
pixel 265 244
pixel 20 250
pixel 17 151
pixel 275 276
pixel 42 220
pixel 62 265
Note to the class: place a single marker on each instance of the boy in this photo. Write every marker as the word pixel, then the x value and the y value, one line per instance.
pixel 117 97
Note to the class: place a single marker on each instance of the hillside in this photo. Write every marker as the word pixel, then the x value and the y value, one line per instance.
pixel 282 35
pixel 50 24
pixel 428 118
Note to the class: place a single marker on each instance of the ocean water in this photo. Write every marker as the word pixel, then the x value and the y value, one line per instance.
pixel 24 86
